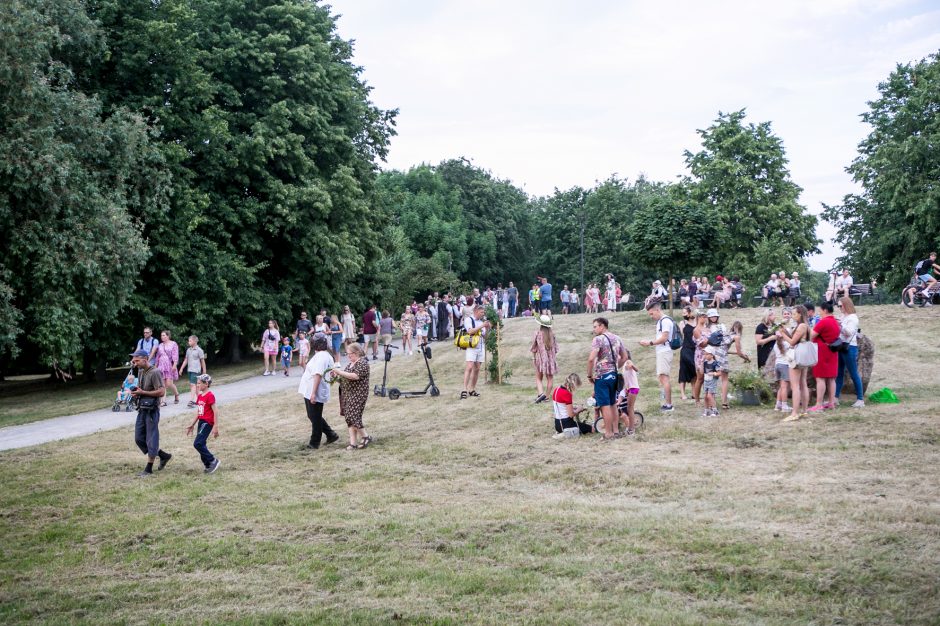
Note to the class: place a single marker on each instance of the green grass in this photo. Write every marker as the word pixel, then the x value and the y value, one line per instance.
pixel 468 512
pixel 29 399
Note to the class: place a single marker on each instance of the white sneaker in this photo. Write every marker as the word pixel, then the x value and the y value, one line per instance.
pixel 859 404
pixel 785 408
pixel 266 373
pixel 559 436
pixel 777 406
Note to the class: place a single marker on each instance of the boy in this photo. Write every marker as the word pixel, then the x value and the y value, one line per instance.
pixel 207 417
pixel 195 362
pixel 286 354
pixel 710 366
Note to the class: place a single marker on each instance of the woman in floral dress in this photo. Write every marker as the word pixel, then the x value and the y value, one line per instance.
pixel 167 355
pixel 353 394
pixel 407 325
pixel 544 350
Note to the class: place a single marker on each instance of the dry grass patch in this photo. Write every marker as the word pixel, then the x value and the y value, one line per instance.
pixel 467 511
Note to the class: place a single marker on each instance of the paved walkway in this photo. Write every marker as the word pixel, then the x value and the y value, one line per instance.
pixel 69 426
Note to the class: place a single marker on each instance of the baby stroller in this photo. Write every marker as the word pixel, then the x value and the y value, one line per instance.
pixel 124 398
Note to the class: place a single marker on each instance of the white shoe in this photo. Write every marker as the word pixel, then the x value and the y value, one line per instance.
pixel 859 404
pixel 266 373
pixel 785 408
pixel 559 436
pixel 777 406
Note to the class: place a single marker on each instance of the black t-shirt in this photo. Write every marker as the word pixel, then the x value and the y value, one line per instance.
pixel 763 351
pixel 925 267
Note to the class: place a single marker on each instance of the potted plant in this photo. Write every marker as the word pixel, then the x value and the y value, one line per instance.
pixel 752 387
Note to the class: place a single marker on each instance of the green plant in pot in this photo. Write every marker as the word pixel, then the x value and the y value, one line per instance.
pixel 751 387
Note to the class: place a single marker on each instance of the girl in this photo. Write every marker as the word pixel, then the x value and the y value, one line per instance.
pixel 336 335
pixel 798 384
pixel 167 355
pixel 782 371
pixel 627 397
pixel 407 325
pixel 544 350
pixel 349 326
pixel 566 425
pixel 303 348
pixel 270 341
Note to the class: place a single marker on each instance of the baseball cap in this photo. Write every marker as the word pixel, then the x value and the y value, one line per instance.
pixel 140 353
pixel 205 378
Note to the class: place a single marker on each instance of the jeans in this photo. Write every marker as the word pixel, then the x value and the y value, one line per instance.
pixel 203 430
pixel 849 360
pixel 319 425
pixel 512 307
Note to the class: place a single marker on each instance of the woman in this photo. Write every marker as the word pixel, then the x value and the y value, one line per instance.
pixel 725 295
pixel 765 338
pixel 574 301
pixel 386 329
pixel 687 355
pixel 270 344
pixel 407 326
pixel 349 326
pixel 849 358
pixel 700 338
pixel 823 333
pixel 589 298
pixel 353 393
pixel 611 293
pixel 165 357
pixel 422 324
pixel 798 385
pixel 544 349
pixel 336 335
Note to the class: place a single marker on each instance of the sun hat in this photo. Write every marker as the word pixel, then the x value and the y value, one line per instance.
pixel 796 275
pixel 712 313
pixel 544 320
pixel 709 350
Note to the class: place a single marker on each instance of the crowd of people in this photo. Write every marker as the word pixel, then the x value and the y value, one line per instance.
pixel 705 346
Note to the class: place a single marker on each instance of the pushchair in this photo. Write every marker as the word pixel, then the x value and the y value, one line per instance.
pixel 124 398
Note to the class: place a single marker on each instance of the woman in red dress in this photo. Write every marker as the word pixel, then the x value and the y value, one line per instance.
pixel 825 332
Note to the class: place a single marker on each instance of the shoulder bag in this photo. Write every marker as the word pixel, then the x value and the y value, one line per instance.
pixel 613 361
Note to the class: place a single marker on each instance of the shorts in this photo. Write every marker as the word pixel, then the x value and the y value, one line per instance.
pixel 285 362
pixel 604 389
pixel 663 362
pixel 271 352
pixel 475 355
pixel 711 386
pixel 925 277
pixel 783 372
pixel 386 339
pixel 369 338
pixel 193 377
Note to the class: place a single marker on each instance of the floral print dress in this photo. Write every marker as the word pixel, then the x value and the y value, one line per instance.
pixel 354 393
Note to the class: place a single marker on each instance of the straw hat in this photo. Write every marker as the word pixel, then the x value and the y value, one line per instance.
pixel 544 320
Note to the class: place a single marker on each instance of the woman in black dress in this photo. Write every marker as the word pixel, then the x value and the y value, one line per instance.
pixel 687 355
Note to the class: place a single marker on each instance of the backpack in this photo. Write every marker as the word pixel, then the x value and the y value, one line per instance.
pixel 675 339
pixel 717 337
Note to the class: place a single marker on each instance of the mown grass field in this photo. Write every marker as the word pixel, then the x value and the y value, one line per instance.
pixel 468 512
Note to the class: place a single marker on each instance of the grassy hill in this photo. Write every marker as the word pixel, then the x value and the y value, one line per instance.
pixel 468 511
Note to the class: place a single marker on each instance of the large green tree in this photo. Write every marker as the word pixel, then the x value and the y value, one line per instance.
pixel 895 221
pixel 741 170
pixel 73 182
pixel 268 130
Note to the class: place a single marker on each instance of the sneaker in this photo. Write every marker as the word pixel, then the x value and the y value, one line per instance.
pixel 715 413
pixel 213 466
pixel 541 398
pixel 332 439
pixel 559 436
pixel 631 432
pixel 859 404
pixel 706 413
pixel 785 408
pixel 164 460
pixel 286 373
pixel 190 404
pixel 266 373
pixel 144 474
pixel 666 408
pixel 375 358
pixel 777 406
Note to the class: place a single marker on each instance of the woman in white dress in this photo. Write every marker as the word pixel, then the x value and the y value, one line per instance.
pixel 611 293
pixel 349 326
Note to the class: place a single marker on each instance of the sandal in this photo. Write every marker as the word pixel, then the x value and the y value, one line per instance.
pixel 725 407
pixel 361 446
pixel 351 447
pixel 163 403
pixel 474 394
pixel 463 395
pixel 177 400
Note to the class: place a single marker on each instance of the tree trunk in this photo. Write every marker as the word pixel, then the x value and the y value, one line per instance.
pixel 231 351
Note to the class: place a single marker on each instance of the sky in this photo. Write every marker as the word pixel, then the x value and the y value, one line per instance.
pixel 553 94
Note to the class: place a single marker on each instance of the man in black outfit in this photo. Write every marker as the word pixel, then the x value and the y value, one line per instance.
pixel 443 318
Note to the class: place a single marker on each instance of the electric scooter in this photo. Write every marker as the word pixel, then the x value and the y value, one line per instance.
pixel 431 389
pixel 382 391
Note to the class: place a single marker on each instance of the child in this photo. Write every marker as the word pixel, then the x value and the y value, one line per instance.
pixel 286 354
pixel 566 425
pixel 710 366
pixel 303 348
pixel 627 398
pixel 124 395
pixel 782 371
pixel 207 416
pixel 195 364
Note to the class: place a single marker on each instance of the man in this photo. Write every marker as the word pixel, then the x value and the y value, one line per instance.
pixel 148 342
pixel 565 300
pixel 148 394
pixel 664 329
pixel 607 357
pixel 512 297
pixel 370 330
pixel 924 271
pixel 315 388
pixel 844 284
pixel 474 326
pixel 304 325
pixel 443 317
pixel 545 297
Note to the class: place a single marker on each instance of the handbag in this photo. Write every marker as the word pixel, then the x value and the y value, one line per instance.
pixel 806 354
pixel 839 346
pixel 463 340
pixel 148 403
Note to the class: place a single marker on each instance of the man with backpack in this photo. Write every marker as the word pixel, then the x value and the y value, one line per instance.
pixel 667 339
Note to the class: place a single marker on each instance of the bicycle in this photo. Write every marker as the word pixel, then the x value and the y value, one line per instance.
pixel 913 295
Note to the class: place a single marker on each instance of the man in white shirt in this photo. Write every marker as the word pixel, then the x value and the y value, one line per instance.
pixel 664 329
pixel 474 325
pixel 315 388
pixel 771 289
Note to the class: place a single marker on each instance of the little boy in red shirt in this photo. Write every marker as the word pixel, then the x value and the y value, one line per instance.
pixel 207 417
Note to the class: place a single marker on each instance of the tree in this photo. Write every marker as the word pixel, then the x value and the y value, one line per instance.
pixel 895 221
pixel 73 179
pixel 672 232
pixel 742 171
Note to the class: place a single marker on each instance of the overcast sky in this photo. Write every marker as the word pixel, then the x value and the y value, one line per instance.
pixel 556 94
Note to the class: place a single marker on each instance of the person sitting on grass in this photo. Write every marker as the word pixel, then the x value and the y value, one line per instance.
pixel 207 417
pixel 566 424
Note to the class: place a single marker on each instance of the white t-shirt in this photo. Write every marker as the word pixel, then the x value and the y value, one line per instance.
pixel 849 329
pixel 470 323
pixel 321 363
pixel 794 283
pixel 843 281
pixel 664 325
pixel 773 283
